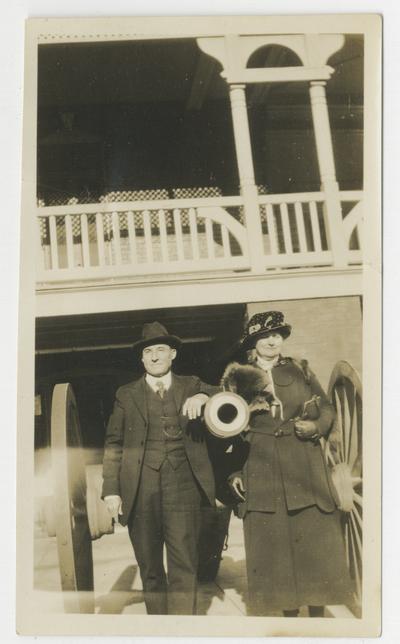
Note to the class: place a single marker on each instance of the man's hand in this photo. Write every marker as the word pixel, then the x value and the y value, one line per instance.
pixel 306 429
pixel 114 505
pixel 237 487
pixel 193 406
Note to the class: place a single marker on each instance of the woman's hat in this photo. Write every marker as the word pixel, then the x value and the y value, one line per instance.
pixel 261 324
pixel 155 333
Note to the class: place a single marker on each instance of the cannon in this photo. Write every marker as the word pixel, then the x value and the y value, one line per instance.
pixel 73 513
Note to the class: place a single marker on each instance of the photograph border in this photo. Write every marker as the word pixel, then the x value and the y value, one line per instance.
pixel 28 621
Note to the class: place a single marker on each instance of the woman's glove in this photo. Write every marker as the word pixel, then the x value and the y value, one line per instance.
pixel 306 430
pixel 235 483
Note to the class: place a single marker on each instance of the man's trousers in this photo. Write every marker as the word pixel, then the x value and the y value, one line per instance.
pixel 167 510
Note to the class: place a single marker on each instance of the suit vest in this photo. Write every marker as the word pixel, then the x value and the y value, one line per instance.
pixel 164 435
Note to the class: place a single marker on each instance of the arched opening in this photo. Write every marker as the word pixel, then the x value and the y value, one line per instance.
pixel 282 129
pixel 345 96
pixel 280 121
pixel 273 56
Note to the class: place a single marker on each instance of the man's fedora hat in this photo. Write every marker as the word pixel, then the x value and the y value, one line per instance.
pixel 261 324
pixel 155 333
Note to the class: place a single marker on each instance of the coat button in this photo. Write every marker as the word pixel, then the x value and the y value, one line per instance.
pixel 279 433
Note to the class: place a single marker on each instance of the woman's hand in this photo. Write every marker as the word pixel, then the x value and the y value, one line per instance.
pixel 306 429
pixel 236 484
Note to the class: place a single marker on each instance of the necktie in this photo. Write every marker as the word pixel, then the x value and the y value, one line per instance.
pixel 160 388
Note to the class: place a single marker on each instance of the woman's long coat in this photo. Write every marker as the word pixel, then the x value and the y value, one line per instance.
pixel 275 451
pixel 294 544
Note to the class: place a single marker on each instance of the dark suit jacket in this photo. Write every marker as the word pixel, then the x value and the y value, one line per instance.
pixel 126 441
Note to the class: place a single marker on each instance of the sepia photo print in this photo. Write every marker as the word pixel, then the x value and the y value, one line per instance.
pixel 199 417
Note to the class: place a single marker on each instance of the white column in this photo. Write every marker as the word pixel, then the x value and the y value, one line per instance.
pixel 248 188
pixel 326 162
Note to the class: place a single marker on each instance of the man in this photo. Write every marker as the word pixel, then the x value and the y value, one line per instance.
pixel 157 473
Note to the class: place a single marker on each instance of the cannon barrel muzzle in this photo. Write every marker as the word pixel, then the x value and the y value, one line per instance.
pixel 226 414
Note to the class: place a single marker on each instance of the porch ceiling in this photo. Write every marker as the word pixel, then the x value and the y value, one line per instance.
pixel 165 70
pixel 121 329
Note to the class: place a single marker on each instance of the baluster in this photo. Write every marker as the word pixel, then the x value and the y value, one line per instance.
pixel 298 208
pixel 69 239
pixel 163 235
pixel 315 226
pixel 194 237
pixel 359 228
pixel 225 241
pixel 272 229
pixel 85 240
pixel 100 239
pixel 117 238
pixel 109 239
pixel 178 233
pixel 41 253
pixel 147 236
pixel 209 238
pixel 286 228
pixel 132 237
pixel 53 241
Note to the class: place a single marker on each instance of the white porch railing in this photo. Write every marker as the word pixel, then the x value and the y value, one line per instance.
pixel 141 238
pixel 352 209
pixel 296 229
pixel 137 238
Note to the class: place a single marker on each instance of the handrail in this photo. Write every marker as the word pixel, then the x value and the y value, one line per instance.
pixel 291 197
pixel 125 206
pixel 351 195
pixel 148 237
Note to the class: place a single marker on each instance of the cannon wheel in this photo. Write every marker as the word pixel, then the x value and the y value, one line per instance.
pixel 344 456
pixel 69 485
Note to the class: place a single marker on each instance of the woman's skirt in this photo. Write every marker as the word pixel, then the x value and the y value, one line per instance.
pixel 295 559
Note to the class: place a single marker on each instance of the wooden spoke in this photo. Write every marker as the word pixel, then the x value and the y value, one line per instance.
pixel 348 423
pixel 355 529
pixel 329 455
pixel 355 428
pixel 355 563
pixel 69 481
pixel 339 420
pixel 343 451
pixel 342 419
pixel 357 518
pixel 346 541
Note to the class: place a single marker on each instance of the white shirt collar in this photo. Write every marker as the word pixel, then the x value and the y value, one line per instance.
pixel 166 379
pixel 266 365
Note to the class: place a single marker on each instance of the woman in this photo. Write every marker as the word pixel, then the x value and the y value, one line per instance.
pixel 294 546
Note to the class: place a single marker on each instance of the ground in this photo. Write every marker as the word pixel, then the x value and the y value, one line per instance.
pixel 117 584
